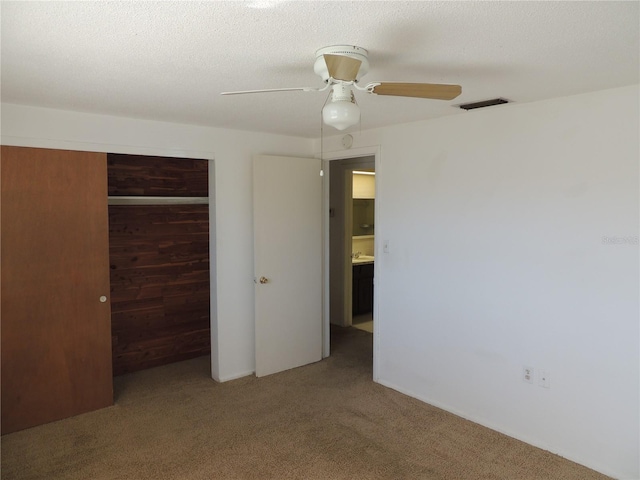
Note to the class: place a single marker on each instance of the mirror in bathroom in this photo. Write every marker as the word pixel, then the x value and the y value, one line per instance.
pixel 363 216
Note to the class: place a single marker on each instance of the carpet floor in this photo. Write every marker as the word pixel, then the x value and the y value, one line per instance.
pixel 327 421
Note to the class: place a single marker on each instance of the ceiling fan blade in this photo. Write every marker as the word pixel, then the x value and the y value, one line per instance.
pixel 294 89
pixel 342 67
pixel 420 90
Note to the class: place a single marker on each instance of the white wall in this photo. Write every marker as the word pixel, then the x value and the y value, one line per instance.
pixel 232 240
pixel 496 222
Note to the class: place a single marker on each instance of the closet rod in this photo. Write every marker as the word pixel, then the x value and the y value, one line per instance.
pixel 138 200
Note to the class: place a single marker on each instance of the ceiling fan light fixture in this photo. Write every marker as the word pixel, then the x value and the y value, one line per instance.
pixel 341 115
pixel 341 112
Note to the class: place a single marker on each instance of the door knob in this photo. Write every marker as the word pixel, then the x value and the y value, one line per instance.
pixel 103 299
pixel 264 280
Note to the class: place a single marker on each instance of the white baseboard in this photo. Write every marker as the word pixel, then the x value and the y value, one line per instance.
pixel 235 376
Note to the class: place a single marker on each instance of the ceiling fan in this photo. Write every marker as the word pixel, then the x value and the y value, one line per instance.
pixel 341 67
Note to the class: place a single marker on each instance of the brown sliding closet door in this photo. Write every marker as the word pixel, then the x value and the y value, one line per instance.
pixel 56 328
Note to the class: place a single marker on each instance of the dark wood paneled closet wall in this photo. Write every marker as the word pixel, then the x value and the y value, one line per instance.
pixel 157 176
pixel 159 260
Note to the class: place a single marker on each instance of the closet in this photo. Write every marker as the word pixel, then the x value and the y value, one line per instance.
pixel 159 260
pixel 82 246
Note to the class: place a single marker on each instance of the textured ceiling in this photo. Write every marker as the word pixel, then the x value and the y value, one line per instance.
pixel 170 60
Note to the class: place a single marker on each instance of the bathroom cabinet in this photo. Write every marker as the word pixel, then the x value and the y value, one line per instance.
pixel 362 289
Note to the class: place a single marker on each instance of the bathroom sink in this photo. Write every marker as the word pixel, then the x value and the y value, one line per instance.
pixel 363 259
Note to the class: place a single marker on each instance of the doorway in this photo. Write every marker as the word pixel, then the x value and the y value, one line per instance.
pixel 362 247
pixel 351 245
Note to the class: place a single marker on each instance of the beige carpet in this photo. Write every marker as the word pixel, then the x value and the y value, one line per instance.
pixel 323 421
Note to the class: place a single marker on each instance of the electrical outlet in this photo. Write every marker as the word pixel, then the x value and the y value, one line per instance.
pixel 543 379
pixel 527 374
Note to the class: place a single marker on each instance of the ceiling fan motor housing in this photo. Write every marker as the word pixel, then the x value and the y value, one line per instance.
pixel 359 53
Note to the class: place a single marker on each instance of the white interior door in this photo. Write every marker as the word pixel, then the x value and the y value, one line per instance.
pixel 287 222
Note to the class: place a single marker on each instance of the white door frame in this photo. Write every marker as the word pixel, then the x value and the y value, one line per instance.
pixel 327 157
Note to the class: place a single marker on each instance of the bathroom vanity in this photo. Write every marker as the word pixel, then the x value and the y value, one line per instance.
pixel 362 285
